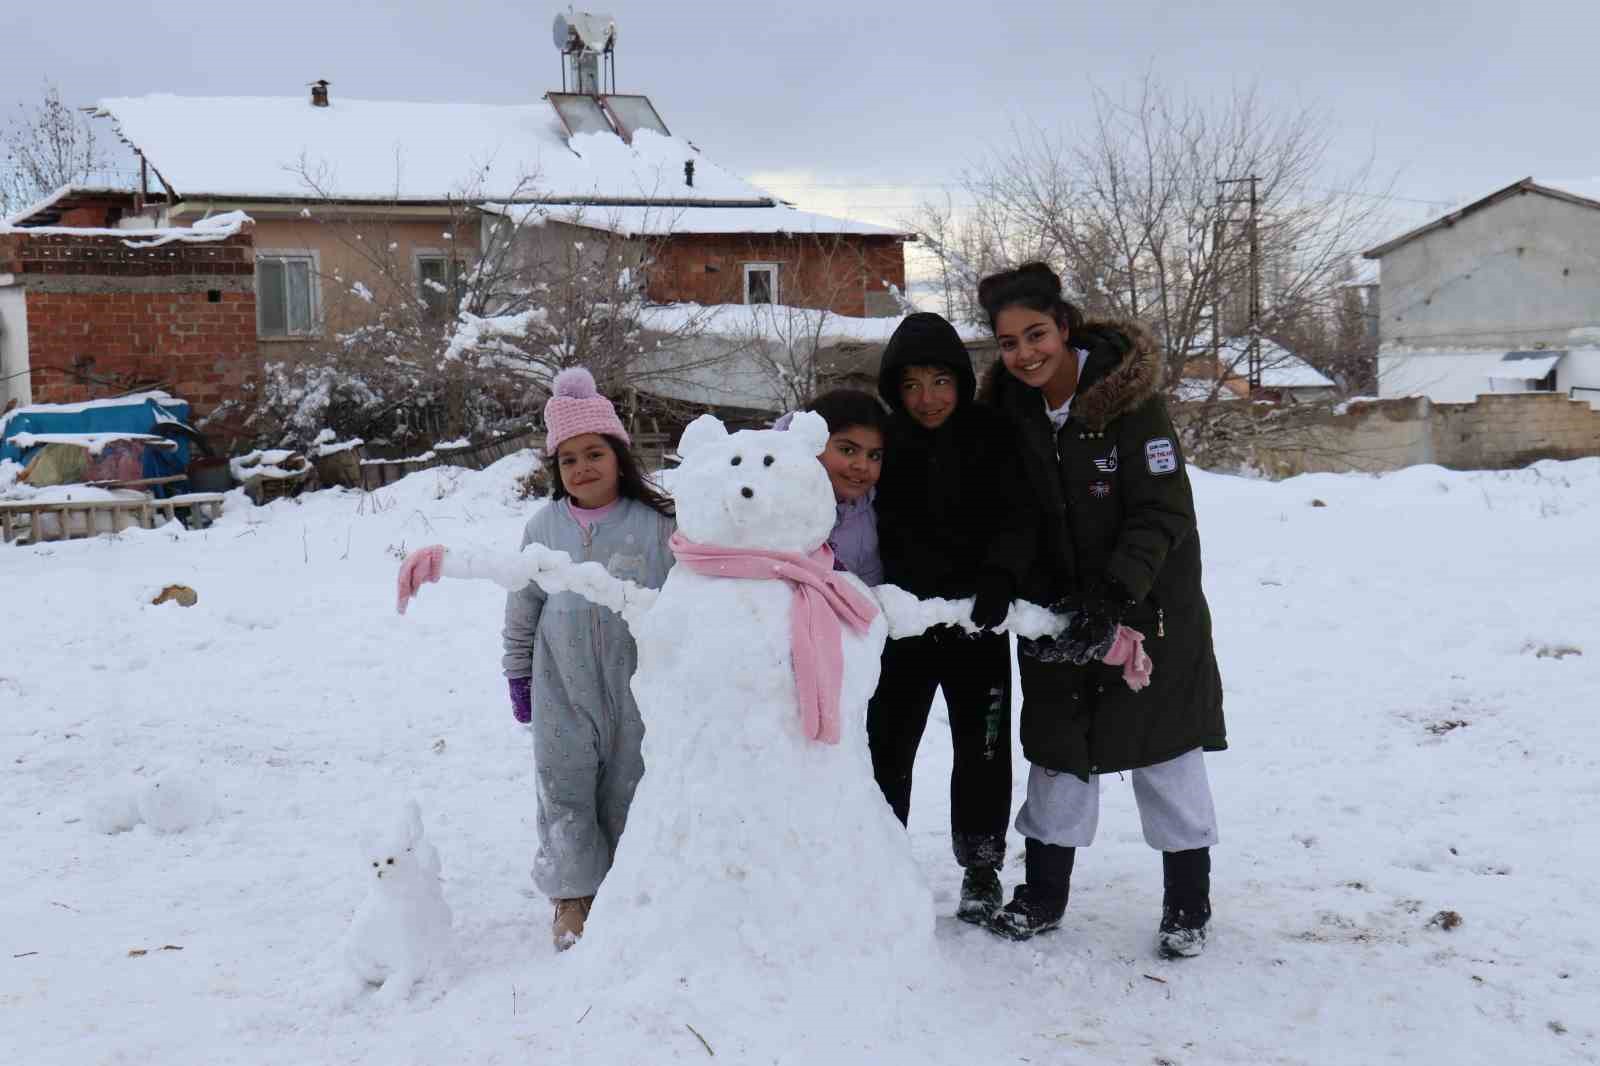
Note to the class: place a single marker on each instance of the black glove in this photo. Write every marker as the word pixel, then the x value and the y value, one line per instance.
pixel 993 598
pixel 1093 629
pixel 1090 634
pixel 1092 621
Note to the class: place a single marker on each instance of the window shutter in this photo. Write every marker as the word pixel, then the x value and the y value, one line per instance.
pixel 271 299
pixel 300 310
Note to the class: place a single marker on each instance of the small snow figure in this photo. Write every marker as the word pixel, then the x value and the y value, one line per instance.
pixel 177 800
pixel 401 931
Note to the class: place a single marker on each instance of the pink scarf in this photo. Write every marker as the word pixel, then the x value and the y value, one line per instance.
pixel 823 599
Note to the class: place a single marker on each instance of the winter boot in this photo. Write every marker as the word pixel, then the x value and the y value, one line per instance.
pixel 570 916
pixel 1038 904
pixel 981 894
pixel 1185 903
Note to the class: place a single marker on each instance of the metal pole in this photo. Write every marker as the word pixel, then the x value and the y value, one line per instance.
pixel 1255 289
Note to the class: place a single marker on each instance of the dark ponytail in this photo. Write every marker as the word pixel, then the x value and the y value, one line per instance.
pixel 1031 285
pixel 843 408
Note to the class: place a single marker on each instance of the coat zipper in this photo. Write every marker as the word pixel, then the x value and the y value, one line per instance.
pixel 594 612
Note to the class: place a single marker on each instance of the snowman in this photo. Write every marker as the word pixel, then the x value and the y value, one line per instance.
pixel 757 831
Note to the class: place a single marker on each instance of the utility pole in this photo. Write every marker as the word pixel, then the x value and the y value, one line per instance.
pixel 1253 230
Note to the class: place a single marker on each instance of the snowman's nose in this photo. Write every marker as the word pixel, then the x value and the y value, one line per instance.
pixel 747 492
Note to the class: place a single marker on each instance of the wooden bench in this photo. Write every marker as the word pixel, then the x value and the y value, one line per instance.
pixel 22 521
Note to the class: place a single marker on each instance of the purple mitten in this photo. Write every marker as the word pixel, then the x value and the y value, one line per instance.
pixel 521 698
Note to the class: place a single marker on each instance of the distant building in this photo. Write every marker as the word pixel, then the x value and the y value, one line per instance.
pixel 1285 377
pixel 1502 295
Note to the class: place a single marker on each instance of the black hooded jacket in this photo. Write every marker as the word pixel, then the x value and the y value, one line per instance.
pixel 953 502
pixel 1113 487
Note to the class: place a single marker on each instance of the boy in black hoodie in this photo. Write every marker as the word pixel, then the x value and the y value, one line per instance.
pixel 955 519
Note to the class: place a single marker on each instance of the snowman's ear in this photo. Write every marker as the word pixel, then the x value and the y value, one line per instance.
pixel 697 434
pixel 411 823
pixel 812 430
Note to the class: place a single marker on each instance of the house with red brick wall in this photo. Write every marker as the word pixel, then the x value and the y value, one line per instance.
pixel 354 199
pixel 88 312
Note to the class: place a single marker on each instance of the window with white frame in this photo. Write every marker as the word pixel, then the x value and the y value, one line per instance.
pixel 286 294
pixel 440 284
pixel 761 283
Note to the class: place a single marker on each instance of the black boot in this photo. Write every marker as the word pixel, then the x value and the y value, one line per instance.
pixel 1185 903
pixel 1038 904
pixel 981 894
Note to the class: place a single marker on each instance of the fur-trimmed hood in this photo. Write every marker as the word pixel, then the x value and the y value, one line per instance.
pixel 1125 368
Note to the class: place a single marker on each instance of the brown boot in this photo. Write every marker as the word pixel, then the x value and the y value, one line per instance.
pixel 570 916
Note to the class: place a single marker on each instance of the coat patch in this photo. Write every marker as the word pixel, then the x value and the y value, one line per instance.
pixel 1160 456
pixel 1108 465
pixel 1099 489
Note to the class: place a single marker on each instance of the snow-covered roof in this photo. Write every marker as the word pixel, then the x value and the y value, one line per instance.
pixel 776 322
pixel 1201 390
pixel 660 221
pixel 133 399
pixel 1460 375
pixel 244 148
pixel 205 230
pixel 1280 368
pixel 95 443
pixel 66 192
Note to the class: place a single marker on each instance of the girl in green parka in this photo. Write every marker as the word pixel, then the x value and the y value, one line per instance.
pixel 1118 546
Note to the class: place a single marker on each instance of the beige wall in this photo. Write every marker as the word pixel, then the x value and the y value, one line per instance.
pixel 376 250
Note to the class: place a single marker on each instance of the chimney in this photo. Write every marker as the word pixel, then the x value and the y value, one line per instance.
pixel 688 172
pixel 319 92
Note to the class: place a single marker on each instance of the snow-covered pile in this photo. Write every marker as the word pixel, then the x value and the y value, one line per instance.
pixel 1411 668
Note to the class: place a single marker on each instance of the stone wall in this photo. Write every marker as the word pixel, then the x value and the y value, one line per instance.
pixel 1496 432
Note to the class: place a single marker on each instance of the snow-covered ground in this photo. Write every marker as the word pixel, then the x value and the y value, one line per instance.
pixel 1413 678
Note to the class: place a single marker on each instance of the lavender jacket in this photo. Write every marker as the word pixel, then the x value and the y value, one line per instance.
pixel 854 539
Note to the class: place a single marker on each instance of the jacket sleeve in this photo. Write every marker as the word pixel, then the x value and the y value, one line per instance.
pixel 1158 505
pixel 1015 512
pixel 523 609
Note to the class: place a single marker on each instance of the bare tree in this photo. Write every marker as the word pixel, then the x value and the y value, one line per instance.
pixel 470 344
pixel 44 146
pixel 1131 212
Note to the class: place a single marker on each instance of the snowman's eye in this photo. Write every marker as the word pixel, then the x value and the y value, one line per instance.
pixel 391 862
pixel 736 460
pixel 767 461
pixel 374 864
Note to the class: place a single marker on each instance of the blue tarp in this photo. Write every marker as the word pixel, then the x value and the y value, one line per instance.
pixel 145 412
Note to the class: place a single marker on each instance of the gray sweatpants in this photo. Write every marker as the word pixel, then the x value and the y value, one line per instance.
pixel 588 765
pixel 1174 800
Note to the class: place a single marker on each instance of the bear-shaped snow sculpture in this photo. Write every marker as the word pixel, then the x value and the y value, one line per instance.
pixel 402 930
pixel 747 836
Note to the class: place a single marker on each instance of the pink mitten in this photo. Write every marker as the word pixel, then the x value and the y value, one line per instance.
pixel 1127 651
pixel 420 567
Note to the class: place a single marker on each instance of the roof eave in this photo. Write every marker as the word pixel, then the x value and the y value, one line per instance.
pixel 1516 188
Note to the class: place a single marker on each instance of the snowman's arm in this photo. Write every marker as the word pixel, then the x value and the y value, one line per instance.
pixel 909 616
pixel 553 571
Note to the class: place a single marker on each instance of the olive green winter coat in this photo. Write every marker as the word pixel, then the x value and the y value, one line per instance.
pixel 1115 492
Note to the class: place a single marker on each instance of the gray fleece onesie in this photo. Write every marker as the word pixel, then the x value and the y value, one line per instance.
pixel 581 658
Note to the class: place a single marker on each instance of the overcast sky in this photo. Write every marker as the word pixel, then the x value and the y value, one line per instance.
pixel 850 106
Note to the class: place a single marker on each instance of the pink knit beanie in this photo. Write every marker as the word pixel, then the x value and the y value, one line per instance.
pixel 575 408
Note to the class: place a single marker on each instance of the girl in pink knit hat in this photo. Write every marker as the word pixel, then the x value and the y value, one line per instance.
pixel 569 662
